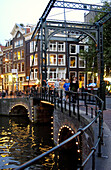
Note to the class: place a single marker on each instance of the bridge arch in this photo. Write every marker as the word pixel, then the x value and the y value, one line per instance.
pixel 69 30
pixel 73 146
pixel 15 108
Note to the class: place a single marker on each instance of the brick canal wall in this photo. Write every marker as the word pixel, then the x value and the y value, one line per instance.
pixel 61 120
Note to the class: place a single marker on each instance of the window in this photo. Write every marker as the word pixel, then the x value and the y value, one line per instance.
pixel 18 53
pixel 52 73
pixel 61 73
pixel 31 76
pixel 9 55
pixel 18 43
pixel 72 49
pixel 81 79
pixel 22 67
pixel 52 46
pixel 32 46
pixel 35 59
pixel 81 62
pixel 15 66
pixel 31 59
pixel 61 46
pixel 81 48
pixel 19 67
pixel 18 35
pixel 6 68
pixel 15 55
pixel 73 73
pixel 22 54
pixel 53 59
pixel 35 73
pixel 61 60
pixel 73 61
pixel 9 67
pixel 21 42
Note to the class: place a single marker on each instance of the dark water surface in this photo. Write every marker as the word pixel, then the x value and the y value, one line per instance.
pixel 20 141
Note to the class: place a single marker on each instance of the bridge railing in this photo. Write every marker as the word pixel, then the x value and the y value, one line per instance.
pixel 92 106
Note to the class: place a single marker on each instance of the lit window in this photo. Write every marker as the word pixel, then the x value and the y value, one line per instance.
pixel 72 61
pixel 22 53
pixel 15 55
pixel 31 60
pixel 18 55
pixel 53 59
pixel 61 59
pixel 81 79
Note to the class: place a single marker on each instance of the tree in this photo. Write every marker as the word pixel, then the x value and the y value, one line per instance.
pixel 90 55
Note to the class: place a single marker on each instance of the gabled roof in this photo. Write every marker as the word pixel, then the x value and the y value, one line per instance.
pixel 16 28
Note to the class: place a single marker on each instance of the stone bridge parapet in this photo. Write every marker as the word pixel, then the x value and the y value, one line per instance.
pixel 7 104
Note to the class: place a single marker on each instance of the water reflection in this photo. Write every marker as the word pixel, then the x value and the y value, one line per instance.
pixel 21 141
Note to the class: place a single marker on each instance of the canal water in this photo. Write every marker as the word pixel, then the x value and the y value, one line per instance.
pixel 21 141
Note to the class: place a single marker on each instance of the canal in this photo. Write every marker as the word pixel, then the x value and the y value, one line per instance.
pixel 21 141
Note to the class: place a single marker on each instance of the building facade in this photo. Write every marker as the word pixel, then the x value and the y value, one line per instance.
pixel 22 60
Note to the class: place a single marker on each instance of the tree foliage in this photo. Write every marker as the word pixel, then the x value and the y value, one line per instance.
pixel 91 55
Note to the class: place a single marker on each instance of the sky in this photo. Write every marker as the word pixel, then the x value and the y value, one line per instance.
pixel 29 12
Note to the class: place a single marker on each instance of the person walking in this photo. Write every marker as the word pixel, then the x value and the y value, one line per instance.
pixel 74 86
pixel 66 87
pixel 56 86
pixel 61 84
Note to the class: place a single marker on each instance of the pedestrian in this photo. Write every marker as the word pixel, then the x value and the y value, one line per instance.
pixel 74 86
pixel 56 86
pixel 66 87
pixel 61 84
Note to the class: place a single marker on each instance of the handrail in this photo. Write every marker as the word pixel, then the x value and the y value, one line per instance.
pixel 99 114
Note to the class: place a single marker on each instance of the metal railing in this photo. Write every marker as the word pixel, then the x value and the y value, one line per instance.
pixel 90 103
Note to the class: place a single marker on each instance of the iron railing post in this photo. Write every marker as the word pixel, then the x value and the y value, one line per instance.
pixel 91 112
pixel 100 133
pixel 69 104
pixel 78 107
pixel 93 158
pixel 61 100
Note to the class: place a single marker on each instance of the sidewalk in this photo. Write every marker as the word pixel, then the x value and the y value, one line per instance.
pixel 104 163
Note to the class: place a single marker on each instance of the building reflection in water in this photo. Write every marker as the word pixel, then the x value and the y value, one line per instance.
pixel 21 141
